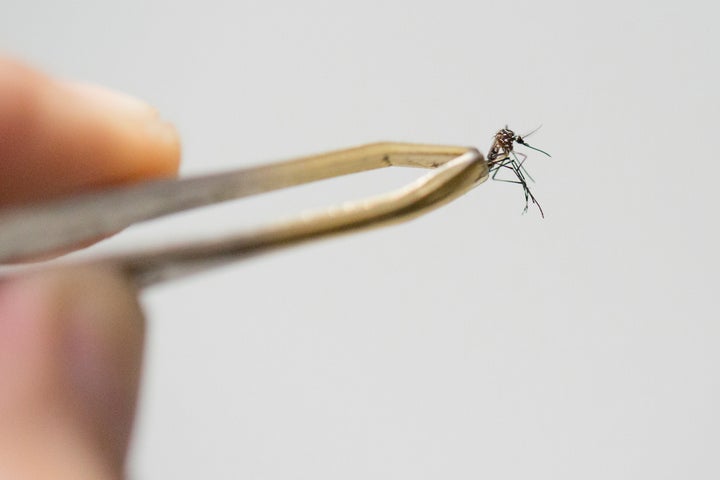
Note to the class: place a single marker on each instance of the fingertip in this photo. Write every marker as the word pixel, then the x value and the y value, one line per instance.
pixel 59 137
pixel 137 142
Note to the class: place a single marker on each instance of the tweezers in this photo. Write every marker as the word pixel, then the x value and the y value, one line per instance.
pixel 39 229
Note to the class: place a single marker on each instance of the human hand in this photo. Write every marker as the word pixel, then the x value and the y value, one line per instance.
pixel 70 341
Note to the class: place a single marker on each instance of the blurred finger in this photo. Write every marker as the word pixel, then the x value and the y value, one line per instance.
pixel 70 353
pixel 58 137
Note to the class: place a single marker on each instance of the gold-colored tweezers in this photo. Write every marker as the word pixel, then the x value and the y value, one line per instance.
pixel 40 229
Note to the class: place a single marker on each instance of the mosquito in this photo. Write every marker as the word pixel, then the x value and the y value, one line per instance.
pixel 502 155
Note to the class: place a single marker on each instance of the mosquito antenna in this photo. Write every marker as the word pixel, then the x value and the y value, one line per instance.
pixel 533 131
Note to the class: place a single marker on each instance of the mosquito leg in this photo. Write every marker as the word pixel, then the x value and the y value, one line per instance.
pixel 512 165
pixel 529 195
pixel 526 190
pixel 508 181
pixel 520 164
pixel 515 164
pixel 500 165
pixel 497 170
pixel 537 204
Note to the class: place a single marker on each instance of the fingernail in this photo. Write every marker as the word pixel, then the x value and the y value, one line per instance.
pixel 123 106
pixel 109 99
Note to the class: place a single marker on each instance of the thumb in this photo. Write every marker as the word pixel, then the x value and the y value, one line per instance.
pixel 70 355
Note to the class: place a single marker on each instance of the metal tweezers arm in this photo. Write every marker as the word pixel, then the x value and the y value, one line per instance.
pixel 39 229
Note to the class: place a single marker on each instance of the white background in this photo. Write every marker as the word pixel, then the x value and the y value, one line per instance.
pixel 475 342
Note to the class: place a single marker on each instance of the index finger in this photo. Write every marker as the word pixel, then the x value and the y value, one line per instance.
pixel 58 138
